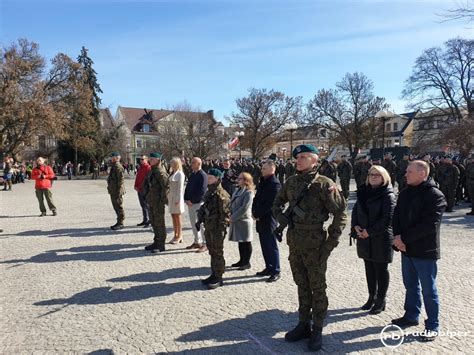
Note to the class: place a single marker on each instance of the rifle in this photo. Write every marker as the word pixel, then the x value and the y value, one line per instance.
pixel 293 208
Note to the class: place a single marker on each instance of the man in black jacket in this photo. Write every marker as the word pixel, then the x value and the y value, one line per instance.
pixel 262 212
pixel 416 227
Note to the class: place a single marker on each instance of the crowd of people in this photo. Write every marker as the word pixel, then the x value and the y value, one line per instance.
pixel 232 199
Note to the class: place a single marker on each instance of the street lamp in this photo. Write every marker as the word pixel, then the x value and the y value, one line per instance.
pixel 240 134
pixel 291 127
pixel 384 116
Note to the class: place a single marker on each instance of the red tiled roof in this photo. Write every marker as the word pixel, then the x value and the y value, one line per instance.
pixel 107 118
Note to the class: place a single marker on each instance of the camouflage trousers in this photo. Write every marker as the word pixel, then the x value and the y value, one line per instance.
pixel 450 194
pixel 156 214
pixel 345 187
pixel 308 265
pixel 117 203
pixel 215 245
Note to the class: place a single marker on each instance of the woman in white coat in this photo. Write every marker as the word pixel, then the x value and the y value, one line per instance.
pixel 176 198
pixel 241 221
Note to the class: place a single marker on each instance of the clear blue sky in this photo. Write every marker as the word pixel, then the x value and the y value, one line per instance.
pixel 158 53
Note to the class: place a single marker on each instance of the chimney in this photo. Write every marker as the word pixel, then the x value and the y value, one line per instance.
pixel 210 113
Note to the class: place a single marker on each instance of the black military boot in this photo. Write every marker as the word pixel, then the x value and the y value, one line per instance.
pixel 301 331
pixel 379 306
pixel 316 340
pixel 117 226
pixel 158 249
pixel 152 246
pixel 214 282
pixel 42 214
pixel 208 279
pixel 370 302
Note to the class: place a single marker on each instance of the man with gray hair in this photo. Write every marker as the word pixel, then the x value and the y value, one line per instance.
pixel 194 198
pixel 43 174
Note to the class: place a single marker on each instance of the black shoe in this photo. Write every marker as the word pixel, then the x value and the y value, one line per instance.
pixel 428 335
pixel 42 214
pixel 214 283
pixel 237 264
pixel 142 223
pixel 273 278
pixel 368 305
pixel 55 213
pixel 146 225
pixel 404 323
pixel 158 249
pixel 263 273
pixel 379 306
pixel 316 341
pixel 206 280
pixel 245 266
pixel 470 213
pixel 449 210
pixel 151 246
pixel 117 227
pixel 301 331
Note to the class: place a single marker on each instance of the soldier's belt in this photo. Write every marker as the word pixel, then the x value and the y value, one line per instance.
pixel 308 227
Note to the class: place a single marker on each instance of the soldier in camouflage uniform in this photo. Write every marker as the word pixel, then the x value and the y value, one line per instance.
pixel 281 172
pixel 448 179
pixel 427 158
pixel 310 243
pixel 401 171
pixel 289 169
pixel 391 167
pixel 361 170
pixel 344 171
pixel 155 189
pixel 116 189
pixel 327 169
pixel 215 213
pixel 470 183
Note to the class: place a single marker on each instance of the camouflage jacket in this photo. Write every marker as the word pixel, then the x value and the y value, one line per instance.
pixel 447 175
pixel 322 198
pixel 116 180
pixel 470 173
pixel 344 170
pixel 215 211
pixel 155 186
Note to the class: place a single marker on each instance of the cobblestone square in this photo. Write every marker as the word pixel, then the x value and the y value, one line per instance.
pixel 71 285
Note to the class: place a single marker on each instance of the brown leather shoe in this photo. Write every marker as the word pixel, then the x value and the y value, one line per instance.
pixel 194 246
pixel 202 249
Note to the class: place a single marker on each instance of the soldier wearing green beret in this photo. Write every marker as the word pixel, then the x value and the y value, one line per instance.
pixel 116 189
pixel 312 198
pixel 215 213
pixel 155 190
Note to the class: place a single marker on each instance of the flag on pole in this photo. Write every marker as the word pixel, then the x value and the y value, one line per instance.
pixel 234 142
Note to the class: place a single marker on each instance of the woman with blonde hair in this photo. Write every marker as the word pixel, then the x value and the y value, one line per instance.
pixel 176 198
pixel 241 221
pixel 372 228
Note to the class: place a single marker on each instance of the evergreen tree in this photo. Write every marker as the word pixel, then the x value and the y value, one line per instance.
pixel 90 78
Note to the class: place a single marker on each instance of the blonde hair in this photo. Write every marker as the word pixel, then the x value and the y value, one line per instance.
pixel 382 171
pixel 176 164
pixel 248 181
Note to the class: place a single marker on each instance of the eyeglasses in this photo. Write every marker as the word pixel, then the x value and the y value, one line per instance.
pixel 375 175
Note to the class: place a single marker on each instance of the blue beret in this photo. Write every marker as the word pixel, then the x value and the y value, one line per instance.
pixel 155 155
pixel 115 154
pixel 215 172
pixel 305 148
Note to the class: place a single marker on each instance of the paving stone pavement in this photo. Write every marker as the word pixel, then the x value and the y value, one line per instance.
pixel 71 285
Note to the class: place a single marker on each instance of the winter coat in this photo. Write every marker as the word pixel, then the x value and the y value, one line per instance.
pixel 373 211
pixel 417 219
pixel 176 193
pixel 262 204
pixel 48 174
pixel 241 226
pixel 142 172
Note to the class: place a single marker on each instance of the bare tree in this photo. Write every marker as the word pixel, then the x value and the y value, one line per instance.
pixel 464 11
pixel 442 81
pixel 347 112
pixel 262 115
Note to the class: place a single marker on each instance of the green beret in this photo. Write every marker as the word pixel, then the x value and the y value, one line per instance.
pixel 305 148
pixel 215 172
pixel 155 155
pixel 115 154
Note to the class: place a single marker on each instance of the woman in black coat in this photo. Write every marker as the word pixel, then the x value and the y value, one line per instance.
pixel 372 227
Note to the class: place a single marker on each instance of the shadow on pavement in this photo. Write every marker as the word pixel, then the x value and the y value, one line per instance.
pixel 164 275
pixel 77 232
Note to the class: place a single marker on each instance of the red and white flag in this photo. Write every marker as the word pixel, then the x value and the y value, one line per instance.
pixel 234 142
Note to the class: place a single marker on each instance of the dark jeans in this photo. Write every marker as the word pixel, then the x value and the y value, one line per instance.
pixel 141 199
pixel 245 252
pixel 416 272
pixel 378 278
pixel 270 252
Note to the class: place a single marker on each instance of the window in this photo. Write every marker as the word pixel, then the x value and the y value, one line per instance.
pixel 139 143
pixel 395 126
pixel 387 127
pixel 42 142
pixel 146 128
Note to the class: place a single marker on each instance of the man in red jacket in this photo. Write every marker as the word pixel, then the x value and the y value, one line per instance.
pixel 43 175
pixel 142 173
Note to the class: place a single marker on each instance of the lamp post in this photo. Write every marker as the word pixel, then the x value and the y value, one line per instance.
pixel 240 134
pixel 291 127
pixel 384 116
